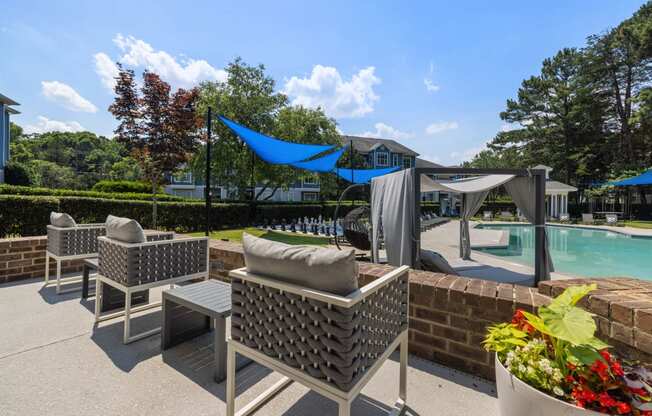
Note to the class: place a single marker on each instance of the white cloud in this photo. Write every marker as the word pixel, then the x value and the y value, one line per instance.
pixel 44 125
pixel 325 88
pixel 385 131
pixel 106 69
pixel 66 95
pixel 186 73
pixel 469 153
pixel 441 126
pixel 430 86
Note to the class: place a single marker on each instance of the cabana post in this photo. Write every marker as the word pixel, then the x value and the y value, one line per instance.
pixel 539 176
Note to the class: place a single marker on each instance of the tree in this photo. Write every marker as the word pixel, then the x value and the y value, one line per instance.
pixel 50 175
pixel 15 131
pixel 17 174
pixel 157 129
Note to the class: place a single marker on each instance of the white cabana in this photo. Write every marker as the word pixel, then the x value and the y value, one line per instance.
pixel 394 199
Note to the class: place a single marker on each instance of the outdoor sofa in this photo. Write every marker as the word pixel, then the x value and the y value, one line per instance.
pixel 127 261
pixel 587 219
pixel 298 311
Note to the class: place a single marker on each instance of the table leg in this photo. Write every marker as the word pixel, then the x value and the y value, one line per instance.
pixel 98 298
pixel 166 329
pixel 220 349
pixel 85 279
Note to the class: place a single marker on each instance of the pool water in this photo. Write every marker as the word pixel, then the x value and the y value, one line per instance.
pixel 580 251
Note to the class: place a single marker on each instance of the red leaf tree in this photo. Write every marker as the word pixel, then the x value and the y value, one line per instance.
pixel 158 129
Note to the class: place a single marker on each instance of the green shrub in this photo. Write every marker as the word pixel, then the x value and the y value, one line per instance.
pixel 135 187
pixel 17 174
pixel 28 190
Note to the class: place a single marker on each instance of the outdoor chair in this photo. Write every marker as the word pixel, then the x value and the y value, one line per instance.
pixel 506 215
pixel 611 219
pixel 487 215
pixel 587 219
pixel 68 240
pixel 330 342
pixel 564 217
pixel 128 262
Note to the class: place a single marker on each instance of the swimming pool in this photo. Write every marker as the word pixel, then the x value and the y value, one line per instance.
pixel 580 251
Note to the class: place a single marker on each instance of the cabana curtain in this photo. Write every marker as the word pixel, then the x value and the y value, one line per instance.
pixel 392 207
pixel 471 203
pixel 521 190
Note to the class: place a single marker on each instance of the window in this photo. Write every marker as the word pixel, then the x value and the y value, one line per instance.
pixel 182 177
pixel 407 162
pixel 309 196
pixel 382 159
pixel 311 180
pixel 396 159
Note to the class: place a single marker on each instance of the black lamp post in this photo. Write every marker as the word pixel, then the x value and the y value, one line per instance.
pixel 207 191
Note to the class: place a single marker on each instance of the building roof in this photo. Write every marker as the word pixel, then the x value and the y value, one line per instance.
pixel 423 163
pixel 559 187
pixel 368 144
pixel 12 111
pixel 6 100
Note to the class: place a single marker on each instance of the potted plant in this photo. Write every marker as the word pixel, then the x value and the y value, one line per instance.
pixel 551 363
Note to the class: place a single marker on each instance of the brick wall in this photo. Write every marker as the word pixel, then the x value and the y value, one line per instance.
pixel 448 314
pixel 23 258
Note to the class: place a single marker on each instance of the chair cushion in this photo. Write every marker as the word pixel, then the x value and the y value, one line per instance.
pixel 124 229
pixel 313 267
pixel 435 262
pixel 59 219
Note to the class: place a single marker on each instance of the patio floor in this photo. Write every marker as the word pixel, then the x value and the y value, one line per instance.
pixel 53 361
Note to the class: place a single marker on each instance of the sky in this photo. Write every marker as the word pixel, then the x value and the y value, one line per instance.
pixel 433 75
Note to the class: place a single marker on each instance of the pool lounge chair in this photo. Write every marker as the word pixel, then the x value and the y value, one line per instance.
pixel 612 219
pixel 588 219
pixel 564 217
pixel 329 342
pixel 487 215
pixel 507 216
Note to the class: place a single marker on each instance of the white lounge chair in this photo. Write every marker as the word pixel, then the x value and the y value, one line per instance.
pixel 587 219
pixel 487 215
pixel 564 217
pixel 507 215
pixel 612 219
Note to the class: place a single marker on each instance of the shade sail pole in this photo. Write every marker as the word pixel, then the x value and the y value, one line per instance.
pixel 539 224
pixel 351 165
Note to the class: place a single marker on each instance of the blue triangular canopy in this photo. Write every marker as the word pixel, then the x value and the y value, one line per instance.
pixel 363 175
pixel 273 150
pixel 642 179
pixel 323 164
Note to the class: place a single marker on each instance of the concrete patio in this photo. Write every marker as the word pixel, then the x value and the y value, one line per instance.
pixel 54 361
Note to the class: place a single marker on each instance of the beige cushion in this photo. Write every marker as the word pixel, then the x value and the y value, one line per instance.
pixel 435 262
pixel 124 229
pixel 313 267
pixel 59 219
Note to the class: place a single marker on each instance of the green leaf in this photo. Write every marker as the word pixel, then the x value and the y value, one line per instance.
pixel 573 324
pixel 585 354
pixel 571 296
pixel 537 322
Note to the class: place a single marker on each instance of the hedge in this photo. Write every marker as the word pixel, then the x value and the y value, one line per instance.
pixel 136 187
pixel 25 215
pixel 28 190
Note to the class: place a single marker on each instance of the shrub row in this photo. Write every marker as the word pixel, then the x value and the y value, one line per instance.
pixel 28 190
pixel 135 187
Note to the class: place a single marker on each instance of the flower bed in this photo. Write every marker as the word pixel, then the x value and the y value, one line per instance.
pixel 556 352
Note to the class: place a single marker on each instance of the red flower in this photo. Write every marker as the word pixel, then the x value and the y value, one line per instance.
pixel 617 369
pixel 605 354
pixel 601 369
pixel 639 392
pixel 623 408
pixel 606 400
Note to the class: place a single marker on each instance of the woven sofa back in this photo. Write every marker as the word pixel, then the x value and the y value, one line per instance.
pixel 137 264
pixel 74 241
pixel 334 344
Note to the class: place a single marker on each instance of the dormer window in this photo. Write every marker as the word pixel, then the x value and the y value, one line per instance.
pixel 382 159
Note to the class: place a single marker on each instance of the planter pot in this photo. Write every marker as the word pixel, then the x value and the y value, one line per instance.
pixel 517 398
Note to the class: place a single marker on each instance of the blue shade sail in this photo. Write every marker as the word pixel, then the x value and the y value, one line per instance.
pixel 273 150
pixel 363 175
pixel 323 164
pixel 642 179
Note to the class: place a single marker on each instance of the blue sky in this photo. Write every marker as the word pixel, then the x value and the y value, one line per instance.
pixel 433 75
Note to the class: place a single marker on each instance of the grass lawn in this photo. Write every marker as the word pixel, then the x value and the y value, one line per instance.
pixel 638 224
pixel 235 235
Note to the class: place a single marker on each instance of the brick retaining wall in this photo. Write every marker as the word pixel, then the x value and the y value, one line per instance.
pixel 448 314
pixel 24 258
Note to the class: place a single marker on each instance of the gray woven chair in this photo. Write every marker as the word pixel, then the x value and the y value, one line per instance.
pixel 135 267
pixel 331 344
pixel 71 243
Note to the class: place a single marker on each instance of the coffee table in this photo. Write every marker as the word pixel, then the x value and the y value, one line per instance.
pixel 195 309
